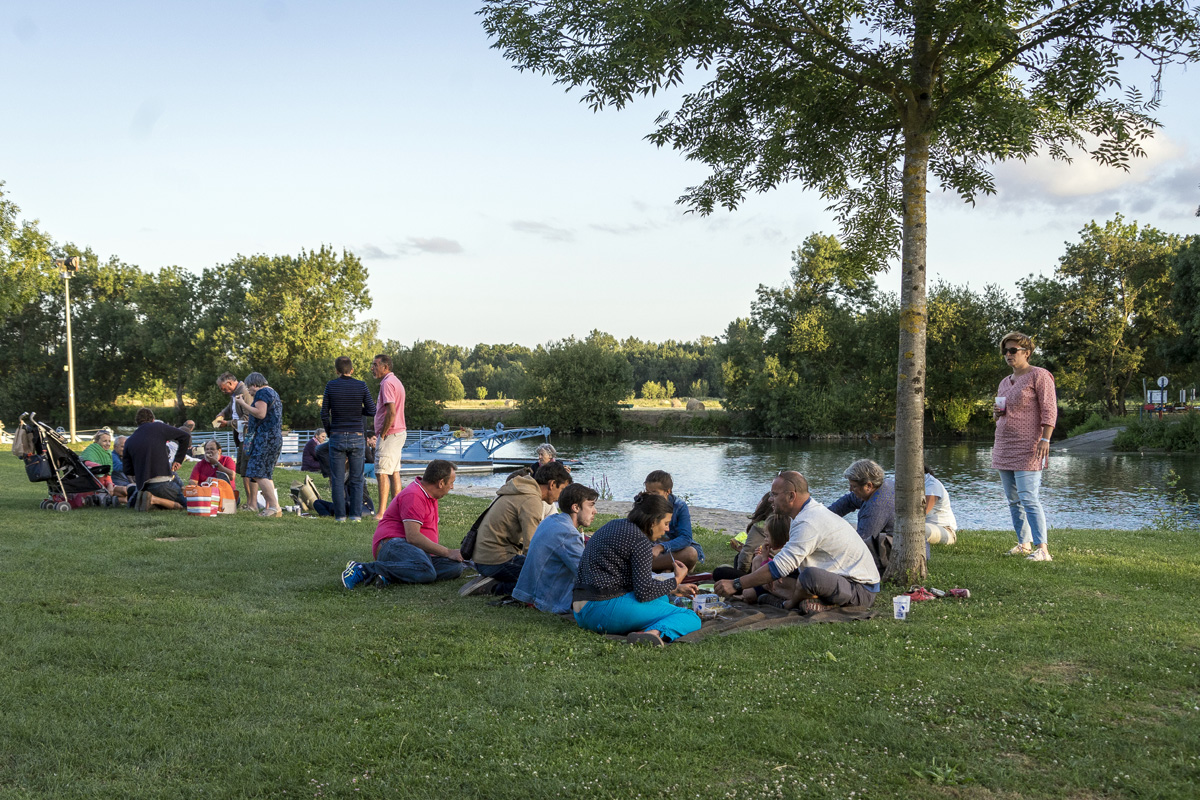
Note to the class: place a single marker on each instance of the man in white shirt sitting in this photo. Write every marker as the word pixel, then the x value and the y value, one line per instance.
pixel 829 561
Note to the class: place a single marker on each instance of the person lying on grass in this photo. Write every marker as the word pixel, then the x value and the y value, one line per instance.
pixel 678 544
pixel 548 574
pixel 778 530
pixel 406 540
pixel 615 589
pixel 830 563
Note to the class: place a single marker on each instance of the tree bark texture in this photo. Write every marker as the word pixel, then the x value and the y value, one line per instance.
pixel 908 555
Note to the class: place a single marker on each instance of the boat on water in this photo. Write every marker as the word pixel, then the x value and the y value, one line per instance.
pixel 470 450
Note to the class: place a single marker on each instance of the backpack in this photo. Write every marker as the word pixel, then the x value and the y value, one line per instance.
pixel 467 548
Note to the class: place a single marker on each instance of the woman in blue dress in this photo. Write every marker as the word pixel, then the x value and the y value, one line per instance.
pixel 264 440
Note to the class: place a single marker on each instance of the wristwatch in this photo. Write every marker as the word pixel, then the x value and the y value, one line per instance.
pixel 737 584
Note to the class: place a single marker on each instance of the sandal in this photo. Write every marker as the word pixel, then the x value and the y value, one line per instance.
pixel 271 512
pixel 642 637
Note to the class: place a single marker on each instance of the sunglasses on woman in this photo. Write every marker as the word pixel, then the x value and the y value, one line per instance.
pixel 1011 351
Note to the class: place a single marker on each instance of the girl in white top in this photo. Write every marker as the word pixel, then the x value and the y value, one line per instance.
pixel 939 519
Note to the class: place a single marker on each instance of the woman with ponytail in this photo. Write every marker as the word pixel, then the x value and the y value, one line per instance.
pixel 616 591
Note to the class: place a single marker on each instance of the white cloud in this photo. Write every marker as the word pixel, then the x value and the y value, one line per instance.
pixel 436 244
pixel 1083 176
pixel 547 232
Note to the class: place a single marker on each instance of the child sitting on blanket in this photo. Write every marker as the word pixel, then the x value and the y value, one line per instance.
pixel 678 545
pixel 778 529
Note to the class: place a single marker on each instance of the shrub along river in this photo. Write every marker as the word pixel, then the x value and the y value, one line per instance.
pixel 1120 491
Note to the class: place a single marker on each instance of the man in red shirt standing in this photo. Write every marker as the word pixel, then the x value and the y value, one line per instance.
pixel 406 545
pixel 389 426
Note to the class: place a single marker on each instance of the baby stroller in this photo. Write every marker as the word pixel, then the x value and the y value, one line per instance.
pixel 70 483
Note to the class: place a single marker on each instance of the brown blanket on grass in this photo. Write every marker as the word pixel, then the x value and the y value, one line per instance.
pixel 740 617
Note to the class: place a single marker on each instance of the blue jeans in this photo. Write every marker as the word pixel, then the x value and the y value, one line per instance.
pixel 1021 489
pixel 347 449
pixel 625 614
pixel 401 562
pixel 506 574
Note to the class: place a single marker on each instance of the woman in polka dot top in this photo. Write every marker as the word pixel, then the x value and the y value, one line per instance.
pixel 615 589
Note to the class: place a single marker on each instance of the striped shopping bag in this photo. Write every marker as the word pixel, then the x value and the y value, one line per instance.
pixel 199 499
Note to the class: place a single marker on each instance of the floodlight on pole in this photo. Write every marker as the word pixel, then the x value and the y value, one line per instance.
pixel 68 267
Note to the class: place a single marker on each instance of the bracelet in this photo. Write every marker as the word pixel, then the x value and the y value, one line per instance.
pixel 1044 439
pixel 737 584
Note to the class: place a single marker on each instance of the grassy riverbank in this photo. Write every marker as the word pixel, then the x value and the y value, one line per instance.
pixel 159 656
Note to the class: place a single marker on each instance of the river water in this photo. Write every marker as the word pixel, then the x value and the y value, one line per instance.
pixel 1122 491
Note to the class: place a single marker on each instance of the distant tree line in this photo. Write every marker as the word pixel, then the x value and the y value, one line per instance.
pixel 815 355
pixel 169 333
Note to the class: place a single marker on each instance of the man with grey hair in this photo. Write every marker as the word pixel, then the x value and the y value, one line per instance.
pixel 828 561
pixel 873 495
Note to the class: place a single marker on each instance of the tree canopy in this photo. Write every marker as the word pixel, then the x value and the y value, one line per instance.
pixel 863 101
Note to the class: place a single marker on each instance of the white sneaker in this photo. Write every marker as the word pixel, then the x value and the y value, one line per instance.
pixel 480 584
pixel 1039 555
pixel 1019 550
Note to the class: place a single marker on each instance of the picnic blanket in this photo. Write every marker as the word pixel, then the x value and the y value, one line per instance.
pixel 740 618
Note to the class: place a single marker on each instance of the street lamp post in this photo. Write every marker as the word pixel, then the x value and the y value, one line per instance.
pixel 69 266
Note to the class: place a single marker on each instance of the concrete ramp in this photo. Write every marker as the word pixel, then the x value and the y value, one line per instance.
pixel 1095 443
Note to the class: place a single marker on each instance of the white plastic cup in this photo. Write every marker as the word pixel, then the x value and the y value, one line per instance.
pixel 1001 403
pixel 900 606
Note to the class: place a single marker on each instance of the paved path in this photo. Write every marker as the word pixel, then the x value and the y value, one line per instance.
pixel 1095 443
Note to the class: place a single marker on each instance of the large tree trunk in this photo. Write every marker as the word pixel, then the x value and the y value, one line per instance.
pixel 908 556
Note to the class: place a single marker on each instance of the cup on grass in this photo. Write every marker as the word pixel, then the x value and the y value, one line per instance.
pixel 900 606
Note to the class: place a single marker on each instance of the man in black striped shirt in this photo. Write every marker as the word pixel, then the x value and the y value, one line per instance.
pixel 347 400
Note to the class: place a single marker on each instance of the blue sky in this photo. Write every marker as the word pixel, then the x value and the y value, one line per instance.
pixel 489 205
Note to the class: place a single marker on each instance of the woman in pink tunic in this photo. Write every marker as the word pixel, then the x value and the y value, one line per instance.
pixel 1025 412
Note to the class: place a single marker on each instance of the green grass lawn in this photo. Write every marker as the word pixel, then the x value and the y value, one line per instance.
pixel 153 655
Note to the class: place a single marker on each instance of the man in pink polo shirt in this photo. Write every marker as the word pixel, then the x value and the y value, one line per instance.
pixel 406 545
pixel 389 426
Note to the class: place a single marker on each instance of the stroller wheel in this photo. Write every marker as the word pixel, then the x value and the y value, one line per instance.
pixel 45 504
pixel 62 505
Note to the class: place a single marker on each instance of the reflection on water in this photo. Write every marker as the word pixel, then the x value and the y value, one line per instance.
pixel 1123 491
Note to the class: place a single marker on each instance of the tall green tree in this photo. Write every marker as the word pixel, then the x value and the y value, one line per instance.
pixel 106 338
pixel 965 327
pixel 287 317
pixel 1103 317
pixel 173 346
pixel 1183 352
pixel 576 385
pixel 808 360
pixel 863 101
pixel 26 268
